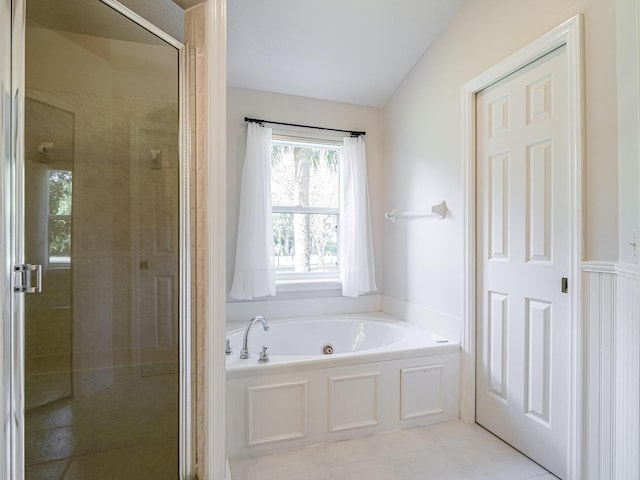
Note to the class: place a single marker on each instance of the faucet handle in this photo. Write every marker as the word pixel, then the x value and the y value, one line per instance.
pixel 228 350
pixel 264 356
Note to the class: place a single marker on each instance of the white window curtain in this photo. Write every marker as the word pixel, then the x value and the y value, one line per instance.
pixel 357 271
pixel 37 211
pixel 254 274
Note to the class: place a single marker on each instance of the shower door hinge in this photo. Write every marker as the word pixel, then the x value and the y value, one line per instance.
pixel 24 278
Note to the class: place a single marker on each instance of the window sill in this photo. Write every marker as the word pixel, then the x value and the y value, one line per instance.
pixel 307 285
pixel 58 266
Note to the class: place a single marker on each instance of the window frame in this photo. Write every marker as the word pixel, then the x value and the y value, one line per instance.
pixel 301 281
pixel 56 265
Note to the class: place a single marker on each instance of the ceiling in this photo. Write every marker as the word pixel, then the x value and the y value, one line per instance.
pixel 352 51
pixel 89 18
pixel 98 19
pixel 185 4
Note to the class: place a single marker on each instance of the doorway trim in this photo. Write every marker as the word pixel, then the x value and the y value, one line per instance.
pixel 216 464
pixel 567 34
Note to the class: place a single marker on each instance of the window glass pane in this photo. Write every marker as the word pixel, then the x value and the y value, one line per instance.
pixel 305 242
pixel 304 176
pixel 59 240
pixel 59 225
pixel 60 188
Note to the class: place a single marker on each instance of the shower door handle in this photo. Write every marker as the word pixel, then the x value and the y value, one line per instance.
pixel 25 276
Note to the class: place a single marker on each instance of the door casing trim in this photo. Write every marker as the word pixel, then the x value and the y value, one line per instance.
pixel 569 34
pixel 216 205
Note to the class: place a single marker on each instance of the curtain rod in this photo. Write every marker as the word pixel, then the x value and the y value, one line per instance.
pixel 353 133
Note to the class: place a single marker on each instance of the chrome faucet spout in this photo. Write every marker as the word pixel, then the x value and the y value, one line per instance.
pixel 244 353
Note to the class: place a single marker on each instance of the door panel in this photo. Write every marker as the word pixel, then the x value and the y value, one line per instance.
pixel 497 334
pixel 523 251
pixel 537 359
pixel 155 196
pixel 97 206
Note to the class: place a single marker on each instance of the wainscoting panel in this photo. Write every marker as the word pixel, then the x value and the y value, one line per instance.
pixel 422 391
pixel 287 420
pixel 272 408
pixel 611 298
pixel 599 317
pixel 627 380
pixel 354 401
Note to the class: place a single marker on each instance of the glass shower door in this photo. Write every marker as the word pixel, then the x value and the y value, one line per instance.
pixel 102 218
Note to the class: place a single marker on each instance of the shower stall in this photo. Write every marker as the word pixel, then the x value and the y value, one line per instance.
pixel 95 227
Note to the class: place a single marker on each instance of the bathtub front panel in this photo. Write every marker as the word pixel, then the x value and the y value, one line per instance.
pixel 342 402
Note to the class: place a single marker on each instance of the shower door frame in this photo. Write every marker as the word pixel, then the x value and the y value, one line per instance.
pixel 12 99
pixel 6 247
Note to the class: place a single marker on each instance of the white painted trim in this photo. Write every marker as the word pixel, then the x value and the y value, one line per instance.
pixel 627 270
pixel 599 267
pixel 216 40
pixel 621 269
pixel 569 34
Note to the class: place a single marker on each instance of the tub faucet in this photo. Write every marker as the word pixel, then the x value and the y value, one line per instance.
pixel 244 353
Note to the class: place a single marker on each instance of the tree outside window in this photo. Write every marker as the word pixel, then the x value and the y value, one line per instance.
pixel 59 222
pixel 305 196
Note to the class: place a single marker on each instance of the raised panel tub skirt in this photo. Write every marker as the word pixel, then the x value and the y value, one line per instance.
pixel 381 374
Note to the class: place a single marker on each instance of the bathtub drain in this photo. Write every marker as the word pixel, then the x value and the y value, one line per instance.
pixel 327 349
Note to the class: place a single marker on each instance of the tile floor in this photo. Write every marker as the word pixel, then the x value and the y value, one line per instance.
pixel 128 431
pixel 445 451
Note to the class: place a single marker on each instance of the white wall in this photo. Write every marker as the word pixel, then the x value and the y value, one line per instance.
pixel 307 111
pixel 422 259
pixel 628 128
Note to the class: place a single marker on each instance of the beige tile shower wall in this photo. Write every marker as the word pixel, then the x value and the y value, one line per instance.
pixel 195 39
pixel 104 136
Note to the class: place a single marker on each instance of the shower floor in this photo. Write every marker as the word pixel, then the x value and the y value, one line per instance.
pixel 127 431
pixel 445 451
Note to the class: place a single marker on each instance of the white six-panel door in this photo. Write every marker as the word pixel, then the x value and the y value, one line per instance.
pixel 523 253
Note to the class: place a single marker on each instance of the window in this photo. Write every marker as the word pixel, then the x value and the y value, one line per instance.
pixel 59 218
pixel 305 192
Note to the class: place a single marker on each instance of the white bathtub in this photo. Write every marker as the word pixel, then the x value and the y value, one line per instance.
pixel 383 374
pixel 297 343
